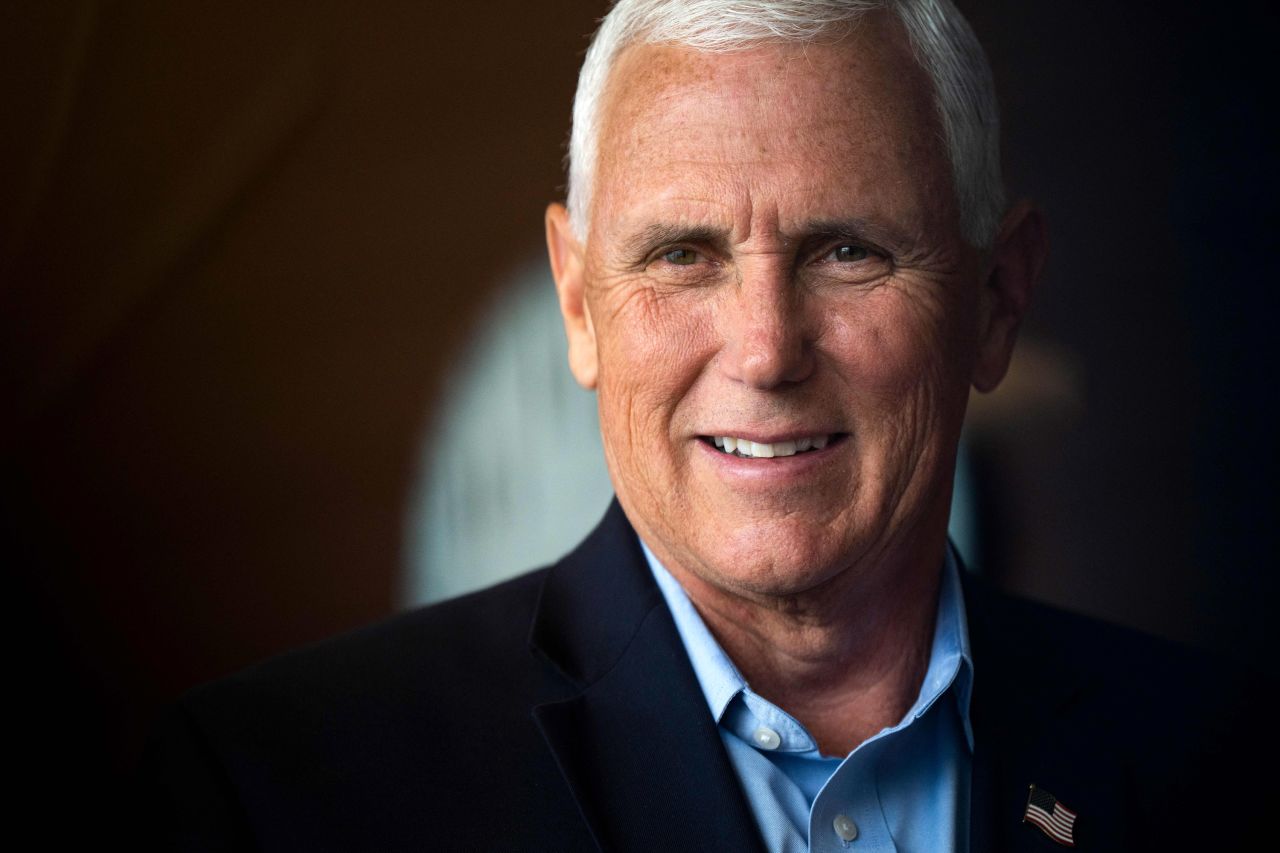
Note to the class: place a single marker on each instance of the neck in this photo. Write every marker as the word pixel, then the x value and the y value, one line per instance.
pixel 847 659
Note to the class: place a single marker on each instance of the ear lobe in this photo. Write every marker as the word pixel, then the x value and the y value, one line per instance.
pixel 568 270
pixel 1017 259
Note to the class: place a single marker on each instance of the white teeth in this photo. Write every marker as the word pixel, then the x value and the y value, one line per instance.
pixel 747 448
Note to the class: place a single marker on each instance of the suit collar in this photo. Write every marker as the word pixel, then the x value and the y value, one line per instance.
pixel 593 601
pixel 635 743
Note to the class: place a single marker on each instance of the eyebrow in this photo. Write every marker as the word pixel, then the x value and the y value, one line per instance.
pixel 854 229
pixel 665 233
pixel 857 230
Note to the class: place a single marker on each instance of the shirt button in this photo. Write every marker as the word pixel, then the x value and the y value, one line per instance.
pixel 845 828
pixel 767 738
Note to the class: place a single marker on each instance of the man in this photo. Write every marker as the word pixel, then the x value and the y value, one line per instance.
pixel 785 261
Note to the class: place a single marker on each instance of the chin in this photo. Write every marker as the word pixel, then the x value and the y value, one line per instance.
pixel 779 559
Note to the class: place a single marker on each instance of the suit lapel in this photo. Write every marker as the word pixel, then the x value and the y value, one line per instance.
pixel 1027 688
pixel 637 745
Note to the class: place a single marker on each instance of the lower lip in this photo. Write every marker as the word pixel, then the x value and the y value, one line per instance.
pixel 775 471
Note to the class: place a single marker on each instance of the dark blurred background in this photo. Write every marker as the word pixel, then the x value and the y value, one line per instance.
pixel 241 245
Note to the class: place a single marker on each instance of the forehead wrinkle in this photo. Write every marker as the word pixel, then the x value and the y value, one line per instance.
pixel 780 166
pixel 748 225
pixel 757 222
pixel 771 174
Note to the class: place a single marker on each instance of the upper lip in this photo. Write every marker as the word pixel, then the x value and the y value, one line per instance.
pixel 771 437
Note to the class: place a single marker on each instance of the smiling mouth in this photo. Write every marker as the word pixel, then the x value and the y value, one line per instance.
pixel 747 449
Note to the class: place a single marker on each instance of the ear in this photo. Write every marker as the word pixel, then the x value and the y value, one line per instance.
pixel 1014 266
pixel 568 269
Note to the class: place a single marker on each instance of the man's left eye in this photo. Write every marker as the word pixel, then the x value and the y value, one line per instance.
pixel 681 257
pixel 848 253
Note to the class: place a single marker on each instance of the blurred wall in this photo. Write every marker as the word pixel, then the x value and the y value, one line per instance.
pixel 240 243
pixel 1149 134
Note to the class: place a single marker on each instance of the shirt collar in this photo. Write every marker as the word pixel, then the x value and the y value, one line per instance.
pixel 719 678
pixel 950 658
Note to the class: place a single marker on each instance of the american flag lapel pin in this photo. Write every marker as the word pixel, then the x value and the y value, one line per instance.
pixel 1052 817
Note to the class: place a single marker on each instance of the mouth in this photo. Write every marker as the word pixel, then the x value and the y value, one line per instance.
pixel 745 448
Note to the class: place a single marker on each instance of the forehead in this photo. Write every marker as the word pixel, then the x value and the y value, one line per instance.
pixel 798 126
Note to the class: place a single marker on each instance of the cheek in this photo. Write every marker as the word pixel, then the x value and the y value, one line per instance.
pixel 905 360
pixel 652 348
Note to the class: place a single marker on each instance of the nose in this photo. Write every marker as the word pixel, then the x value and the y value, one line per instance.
pixel 768 342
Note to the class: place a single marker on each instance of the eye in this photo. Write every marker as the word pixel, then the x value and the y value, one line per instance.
pixel 681 257
pixel 848 253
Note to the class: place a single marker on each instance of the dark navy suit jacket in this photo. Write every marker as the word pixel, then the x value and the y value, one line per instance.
pixel 558 711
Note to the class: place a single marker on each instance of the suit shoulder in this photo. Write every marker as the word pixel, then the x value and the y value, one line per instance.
pixel 1058 630
pixel 1114 661
pixel 393 730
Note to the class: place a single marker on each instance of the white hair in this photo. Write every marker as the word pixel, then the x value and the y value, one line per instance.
pixel 941 39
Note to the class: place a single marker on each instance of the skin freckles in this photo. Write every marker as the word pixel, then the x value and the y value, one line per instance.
pixel 752 335
pixel 774 251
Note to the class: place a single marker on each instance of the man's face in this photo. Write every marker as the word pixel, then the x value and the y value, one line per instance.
pixel 774 255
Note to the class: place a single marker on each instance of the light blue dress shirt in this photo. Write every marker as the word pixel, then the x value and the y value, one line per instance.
pixel 905 789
